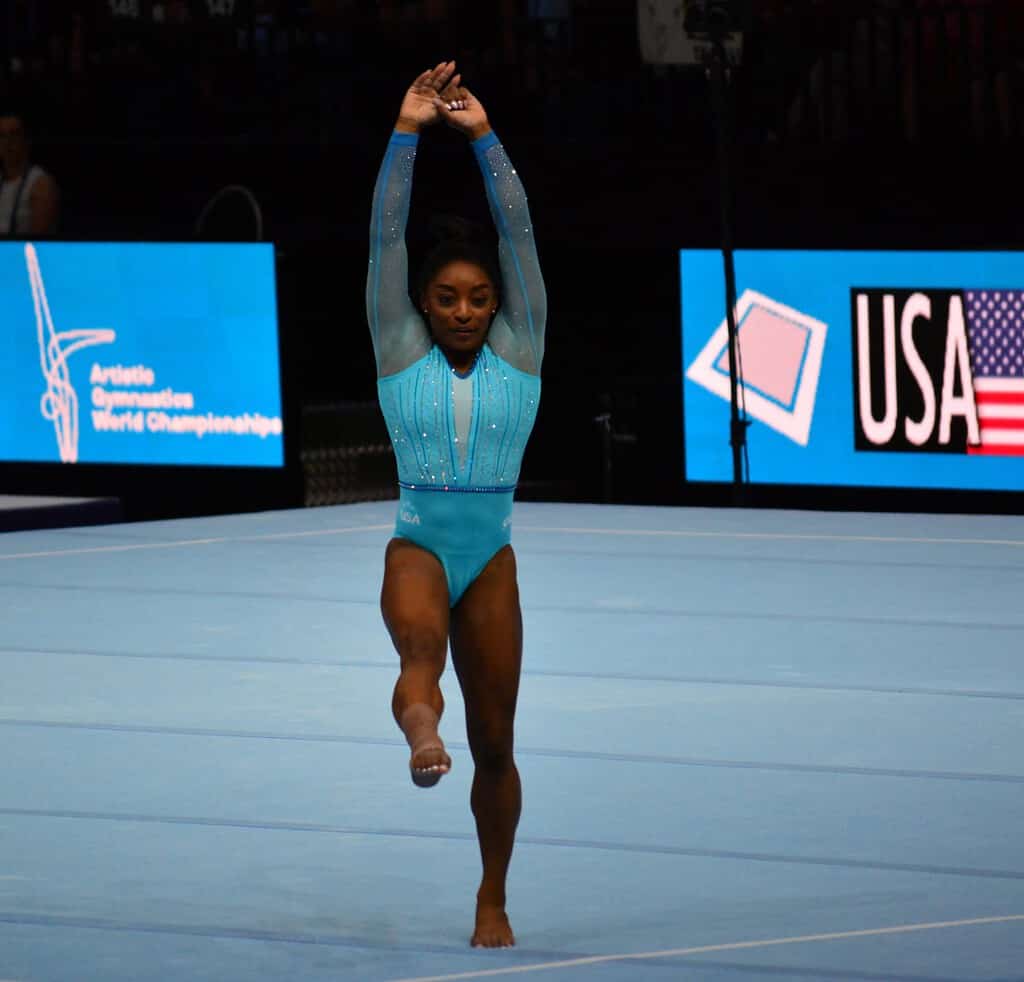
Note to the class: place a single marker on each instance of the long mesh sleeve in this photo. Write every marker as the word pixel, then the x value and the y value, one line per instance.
pixel 517 334
pixel 398 333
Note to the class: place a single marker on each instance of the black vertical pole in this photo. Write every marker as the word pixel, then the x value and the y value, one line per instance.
pixel 718 76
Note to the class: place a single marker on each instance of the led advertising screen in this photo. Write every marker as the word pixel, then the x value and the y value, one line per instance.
pixel 118 353
pixel 870 369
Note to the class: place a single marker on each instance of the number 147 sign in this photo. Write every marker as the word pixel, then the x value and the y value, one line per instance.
pixel 132 9
pixel 125 8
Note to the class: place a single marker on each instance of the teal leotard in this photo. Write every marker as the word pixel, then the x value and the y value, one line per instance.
pixel 458 439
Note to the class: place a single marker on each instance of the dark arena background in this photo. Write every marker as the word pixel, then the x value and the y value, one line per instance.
pixel 769 526
pixel 865 126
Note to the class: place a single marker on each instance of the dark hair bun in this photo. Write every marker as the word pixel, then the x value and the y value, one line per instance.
pixel 455 229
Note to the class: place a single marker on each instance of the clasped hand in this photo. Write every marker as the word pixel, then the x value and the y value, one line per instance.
pixel 439 94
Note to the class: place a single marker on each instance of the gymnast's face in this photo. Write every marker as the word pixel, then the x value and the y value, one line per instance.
pixel 460 302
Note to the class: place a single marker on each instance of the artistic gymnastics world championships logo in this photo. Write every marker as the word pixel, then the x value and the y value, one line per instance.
pixel 59 402
pixel 124 400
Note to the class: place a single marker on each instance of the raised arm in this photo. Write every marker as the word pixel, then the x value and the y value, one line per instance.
pixel 517 333
pixel 398 333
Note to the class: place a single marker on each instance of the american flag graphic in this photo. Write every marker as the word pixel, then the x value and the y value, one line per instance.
pixel 995 327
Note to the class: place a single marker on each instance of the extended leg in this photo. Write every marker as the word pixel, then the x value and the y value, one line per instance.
pixel 487 643
pixel 414 602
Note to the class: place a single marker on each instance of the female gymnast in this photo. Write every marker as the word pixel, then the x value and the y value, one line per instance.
pixel 458 382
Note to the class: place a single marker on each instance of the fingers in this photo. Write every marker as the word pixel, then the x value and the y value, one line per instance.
pixel 446 74
pixel 439 75
pixel 448 106
pixel 459 98
pixel 451 90
pixel 430 78
pixel 443 80
pixel 465 98
pixel 453 98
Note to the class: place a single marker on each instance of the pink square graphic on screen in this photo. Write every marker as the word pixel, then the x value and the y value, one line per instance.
pixel 772 350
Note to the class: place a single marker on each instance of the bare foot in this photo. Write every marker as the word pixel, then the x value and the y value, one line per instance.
pixel 492 928
pixel 429 764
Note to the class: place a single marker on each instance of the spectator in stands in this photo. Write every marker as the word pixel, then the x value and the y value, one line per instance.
pixel 29 197
pixel 549 34
pixel 959 53
pixel 996 35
